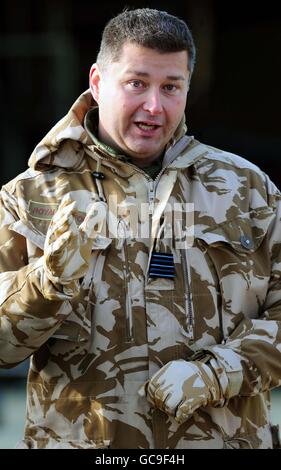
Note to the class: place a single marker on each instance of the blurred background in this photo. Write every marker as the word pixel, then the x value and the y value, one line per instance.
pixel 46 50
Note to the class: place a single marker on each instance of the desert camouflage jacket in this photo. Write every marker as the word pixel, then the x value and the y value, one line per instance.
pixel 90 354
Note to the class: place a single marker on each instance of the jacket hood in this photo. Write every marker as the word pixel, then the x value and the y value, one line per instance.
pixel 64 144
pixel 68 136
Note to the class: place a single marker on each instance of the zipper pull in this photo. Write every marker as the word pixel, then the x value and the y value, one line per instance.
pixel 121 234
pixel 151 198
pixel 190 331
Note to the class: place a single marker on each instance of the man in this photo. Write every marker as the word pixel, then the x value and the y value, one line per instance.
pixel 141 337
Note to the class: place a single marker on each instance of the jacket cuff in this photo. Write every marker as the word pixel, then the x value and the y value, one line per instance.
pixel 52 290
pixel 226 364
pixel 228 368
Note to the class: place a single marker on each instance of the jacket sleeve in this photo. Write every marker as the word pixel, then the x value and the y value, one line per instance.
pixel 31 308
pixel 250 359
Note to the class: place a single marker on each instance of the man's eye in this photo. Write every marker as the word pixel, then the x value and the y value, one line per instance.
pixel 170 87
pixel 136 84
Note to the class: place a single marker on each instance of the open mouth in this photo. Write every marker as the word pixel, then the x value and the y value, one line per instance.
pixel 147 127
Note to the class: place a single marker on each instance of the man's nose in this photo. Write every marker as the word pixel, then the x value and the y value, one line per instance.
pixel 153 103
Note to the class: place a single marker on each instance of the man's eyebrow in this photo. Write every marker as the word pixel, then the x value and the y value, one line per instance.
pixel 139 73
pixel 176 77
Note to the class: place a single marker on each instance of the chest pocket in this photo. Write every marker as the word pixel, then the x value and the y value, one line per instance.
pixel 230 270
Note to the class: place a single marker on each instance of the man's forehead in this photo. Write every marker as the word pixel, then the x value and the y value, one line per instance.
pixel 138 59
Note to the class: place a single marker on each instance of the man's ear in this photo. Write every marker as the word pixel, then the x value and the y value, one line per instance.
pixel 95 82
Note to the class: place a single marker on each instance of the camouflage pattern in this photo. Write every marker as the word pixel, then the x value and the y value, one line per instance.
pixel 91 353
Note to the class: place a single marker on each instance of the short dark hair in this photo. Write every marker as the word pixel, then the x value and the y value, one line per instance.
pixel 146 27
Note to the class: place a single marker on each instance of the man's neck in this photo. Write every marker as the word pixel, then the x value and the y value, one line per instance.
pixel 145 163
pixel 152 166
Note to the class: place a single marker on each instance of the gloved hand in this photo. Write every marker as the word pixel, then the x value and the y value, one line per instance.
pixel 67 249
pixel 179 388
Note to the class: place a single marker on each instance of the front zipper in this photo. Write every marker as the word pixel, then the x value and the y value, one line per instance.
pixel 187 294
pixel 151 191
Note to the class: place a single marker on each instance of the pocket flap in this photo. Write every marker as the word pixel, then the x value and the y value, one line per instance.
pixel 245 233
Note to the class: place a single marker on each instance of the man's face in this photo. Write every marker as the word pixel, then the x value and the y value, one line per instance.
pixel 141 101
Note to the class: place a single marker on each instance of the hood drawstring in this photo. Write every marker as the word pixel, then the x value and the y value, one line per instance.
pixel 98 176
